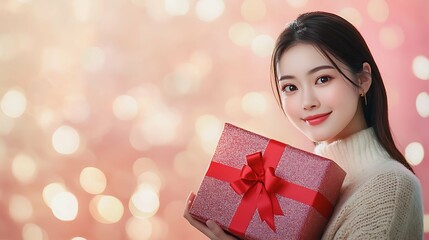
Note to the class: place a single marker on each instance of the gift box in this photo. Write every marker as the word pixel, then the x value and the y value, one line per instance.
pixel 259 188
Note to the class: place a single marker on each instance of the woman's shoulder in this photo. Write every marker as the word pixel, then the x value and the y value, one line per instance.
pixel 394 172
pixel 391 181
pixel 387 181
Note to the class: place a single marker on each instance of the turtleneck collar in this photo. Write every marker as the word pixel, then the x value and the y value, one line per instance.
pixel 355 153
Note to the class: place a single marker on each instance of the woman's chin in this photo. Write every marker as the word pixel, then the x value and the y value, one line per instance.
pixel 318 137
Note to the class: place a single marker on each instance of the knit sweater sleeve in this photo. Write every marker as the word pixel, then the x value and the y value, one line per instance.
pixel 386 207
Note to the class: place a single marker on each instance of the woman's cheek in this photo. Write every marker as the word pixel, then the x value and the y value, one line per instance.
pixel 291 108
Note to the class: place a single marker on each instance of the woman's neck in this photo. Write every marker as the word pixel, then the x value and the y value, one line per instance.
pixel 355 153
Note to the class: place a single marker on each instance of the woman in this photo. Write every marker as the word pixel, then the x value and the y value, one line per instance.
pixel 328 84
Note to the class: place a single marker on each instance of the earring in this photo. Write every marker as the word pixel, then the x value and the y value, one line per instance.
pixel 364 97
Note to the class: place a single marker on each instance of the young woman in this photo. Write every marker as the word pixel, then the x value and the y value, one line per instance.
pixel 329 86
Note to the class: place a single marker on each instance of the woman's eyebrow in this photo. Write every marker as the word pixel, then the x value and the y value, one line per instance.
pixel 318 68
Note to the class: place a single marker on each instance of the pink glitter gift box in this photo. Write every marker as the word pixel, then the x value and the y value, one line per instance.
pixel 258 188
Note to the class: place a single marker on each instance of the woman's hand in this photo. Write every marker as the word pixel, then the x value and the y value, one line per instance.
pixel 210 228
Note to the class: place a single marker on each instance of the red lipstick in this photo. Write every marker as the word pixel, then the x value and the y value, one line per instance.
pixel 316 119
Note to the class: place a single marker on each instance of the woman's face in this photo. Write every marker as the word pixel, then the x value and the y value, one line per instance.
pixel 316 97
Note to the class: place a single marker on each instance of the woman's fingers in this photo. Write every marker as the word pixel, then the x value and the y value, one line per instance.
pixel 186 214
pixel 218 231
pixel 197 224
pixel 189 201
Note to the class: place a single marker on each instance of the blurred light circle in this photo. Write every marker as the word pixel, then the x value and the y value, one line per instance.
pixel 297 3
pixel 263 45
pixel 421 67
pixel 253 10
pixel 185 79
pixel 144 203
pixel 93 60
pixel 8 47
pixel 50 191
pixel 143 165
pixel 241 33
pixel 202 61
pixel 93 180
pixel 64 206
pixel 209 10
pixel 159 128
pixel 24 168
pixel 352 15
pixel 139 2
pixel 208 129
pixel 155 9
pixel 422 104
pixel 13 103
pixel 106 209
pixel 137 138
pixel 138 229
pixel 82 9
pixel 20 208
pixel 414 153
pixel 46 117
pixel 125 107
pixel 176 7
pixel 32 231
pixel 56 59
pixel 254 103
pixel 65 140
pixel 150 178
pixel 378 10
pixel 77 109
pixel 148 97
pixel 160 228
pixel 78 238
pixel 391 37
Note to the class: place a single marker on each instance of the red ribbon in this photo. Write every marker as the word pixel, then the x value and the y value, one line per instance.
pixel 256 182
pixel 259 185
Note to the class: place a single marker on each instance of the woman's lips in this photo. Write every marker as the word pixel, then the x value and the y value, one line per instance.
pixel 316 119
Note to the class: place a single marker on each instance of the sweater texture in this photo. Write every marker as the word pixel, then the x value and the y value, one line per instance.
pixel 379 199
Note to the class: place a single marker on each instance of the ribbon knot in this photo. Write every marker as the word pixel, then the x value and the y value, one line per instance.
pixel 259 184
pixel 261 179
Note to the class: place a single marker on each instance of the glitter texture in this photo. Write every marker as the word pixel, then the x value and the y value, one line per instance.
pixel 216 200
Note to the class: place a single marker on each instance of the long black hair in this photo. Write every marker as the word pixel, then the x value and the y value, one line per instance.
pixel 335 36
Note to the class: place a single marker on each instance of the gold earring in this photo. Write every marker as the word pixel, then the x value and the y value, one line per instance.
pixel 364 97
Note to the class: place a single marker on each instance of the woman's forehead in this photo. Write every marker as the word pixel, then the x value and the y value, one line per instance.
pixel 303 56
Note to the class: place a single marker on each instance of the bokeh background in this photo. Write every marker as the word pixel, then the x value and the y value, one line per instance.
pixel 110 110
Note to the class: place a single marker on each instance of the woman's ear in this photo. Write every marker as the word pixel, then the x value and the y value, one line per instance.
pixel 365 78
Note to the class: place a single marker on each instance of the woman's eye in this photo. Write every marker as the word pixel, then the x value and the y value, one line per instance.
pixel 323 79
pixel 289 88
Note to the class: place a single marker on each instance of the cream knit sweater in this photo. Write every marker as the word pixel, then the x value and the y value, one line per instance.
pixel 380 198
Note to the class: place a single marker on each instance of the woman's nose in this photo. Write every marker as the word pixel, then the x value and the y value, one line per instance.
pixel 309 100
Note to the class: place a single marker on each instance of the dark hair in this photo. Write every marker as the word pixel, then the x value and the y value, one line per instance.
pixel 334 35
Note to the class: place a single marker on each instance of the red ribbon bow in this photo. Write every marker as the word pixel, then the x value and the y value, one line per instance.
pixel 260 185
